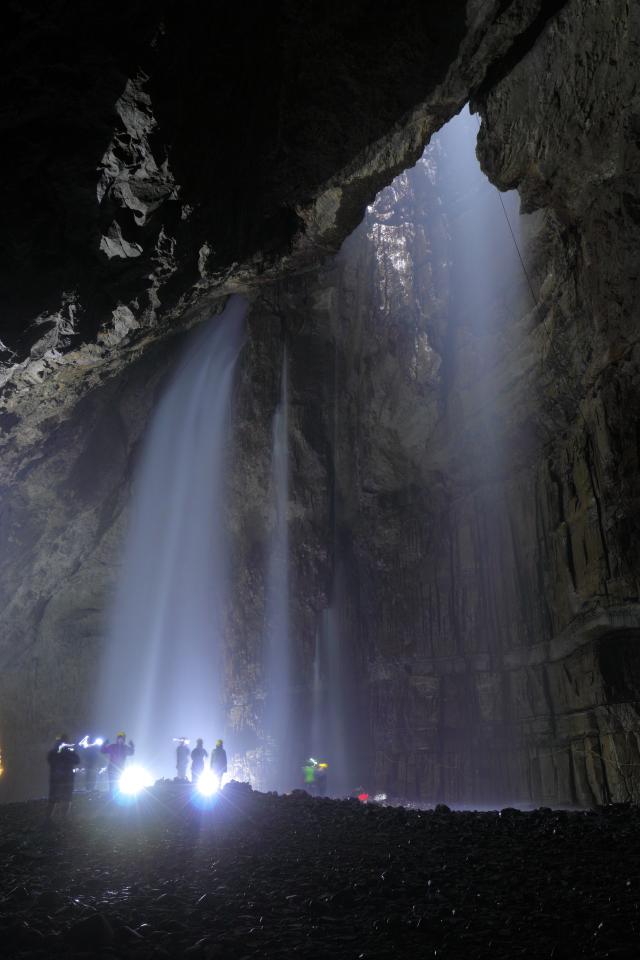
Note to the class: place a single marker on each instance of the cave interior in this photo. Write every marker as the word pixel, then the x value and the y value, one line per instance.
pixel 424 487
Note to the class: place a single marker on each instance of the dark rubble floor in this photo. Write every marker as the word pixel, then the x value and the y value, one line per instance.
pixel 266 876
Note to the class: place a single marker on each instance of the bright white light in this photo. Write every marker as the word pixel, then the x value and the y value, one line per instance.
pixel 133 780
pixel 85 742
pixel 207 783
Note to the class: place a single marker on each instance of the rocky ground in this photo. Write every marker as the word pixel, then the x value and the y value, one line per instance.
pixel 256 875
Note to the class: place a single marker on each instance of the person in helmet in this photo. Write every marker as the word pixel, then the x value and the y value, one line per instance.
pixel 117 753
pixel 321 771
pixel 309 775
pixel 219 762
pixel 63 762
pixel 182 758
pixel 198 756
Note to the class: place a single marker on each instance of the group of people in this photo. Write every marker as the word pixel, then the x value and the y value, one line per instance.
pixel 198 757
pixel 64 761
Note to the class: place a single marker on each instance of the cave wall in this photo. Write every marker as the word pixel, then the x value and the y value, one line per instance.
pixel 510 566
pixel 572 148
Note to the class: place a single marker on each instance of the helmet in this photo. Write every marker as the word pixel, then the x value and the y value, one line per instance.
pixel 218 743
pixel 121 734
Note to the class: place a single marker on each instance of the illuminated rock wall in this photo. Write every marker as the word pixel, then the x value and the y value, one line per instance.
pixel 497 585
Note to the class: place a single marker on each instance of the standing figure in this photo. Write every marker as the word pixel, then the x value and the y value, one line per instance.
pixel 309 775
pixel 117 753
pixel 219 762
pixel 63 762
pixel 198 756
pixel 182 758
pixel 321 772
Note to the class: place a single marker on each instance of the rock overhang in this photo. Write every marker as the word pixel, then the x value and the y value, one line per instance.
pixel 167 154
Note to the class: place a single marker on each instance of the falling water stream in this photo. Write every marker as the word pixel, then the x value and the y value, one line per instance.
pixel 331 736
pixel 279 707
pixel 163 673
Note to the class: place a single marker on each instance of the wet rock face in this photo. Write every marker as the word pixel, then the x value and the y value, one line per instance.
pixel 582 165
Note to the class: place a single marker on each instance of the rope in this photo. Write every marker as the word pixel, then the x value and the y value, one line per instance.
pixel 515 243
pixel 513 237
pixel 552 346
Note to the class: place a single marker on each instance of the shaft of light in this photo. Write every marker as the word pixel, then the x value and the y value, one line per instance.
pixel 163 660
pixel 279 714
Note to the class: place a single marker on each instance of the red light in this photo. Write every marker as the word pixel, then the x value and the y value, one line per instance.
pixel 363 797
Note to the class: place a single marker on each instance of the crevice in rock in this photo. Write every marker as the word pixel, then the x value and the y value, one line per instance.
pixel 500 69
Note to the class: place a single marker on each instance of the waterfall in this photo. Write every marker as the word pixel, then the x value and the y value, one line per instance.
pixel 279 711
pixel 334 715
pixel 318 743
pixel 164 666
pixel 334 732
